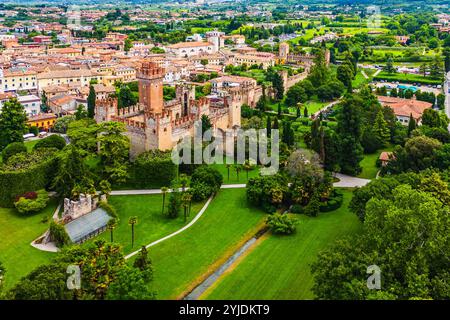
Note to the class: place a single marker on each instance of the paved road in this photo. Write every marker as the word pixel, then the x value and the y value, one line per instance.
pixel 158 191
pixel 349 182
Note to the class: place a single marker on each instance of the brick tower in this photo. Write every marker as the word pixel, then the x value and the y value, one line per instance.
pixel 150 78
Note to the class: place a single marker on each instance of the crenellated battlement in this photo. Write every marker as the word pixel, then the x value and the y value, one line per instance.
pixel 107 102
pixel 150 71
pixel 131 111
pixel 183 120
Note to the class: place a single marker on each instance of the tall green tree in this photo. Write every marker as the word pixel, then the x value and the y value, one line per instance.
pixel 114 151
pixel 349 135
pixel 380 129
pixel 405 229
pixel 12 123
pixel 411 124
pixel 91 102
pixel 125 97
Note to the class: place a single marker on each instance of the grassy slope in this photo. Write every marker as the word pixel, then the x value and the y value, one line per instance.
pixel 279 267
pixel 17 232
pixel 152 224
pixel 368 164
pixel 180 261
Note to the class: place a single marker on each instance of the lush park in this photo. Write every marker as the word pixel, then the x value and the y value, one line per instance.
pixel 152 223
pixel 18 231
pixel 182 262
pixel 278 267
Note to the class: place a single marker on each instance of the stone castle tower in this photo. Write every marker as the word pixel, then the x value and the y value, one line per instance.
pixel 157 124
pixel 150 78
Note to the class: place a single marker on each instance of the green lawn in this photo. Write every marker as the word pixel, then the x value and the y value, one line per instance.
pixel 368 164
pixel 17 232
pixel 407 78
pixel 279 267
pixel 181 262
pixel 233 175
pixel 315 105
pixel 360 80
pixel 152 224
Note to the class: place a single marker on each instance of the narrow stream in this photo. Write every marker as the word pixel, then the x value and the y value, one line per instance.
pixel 208 282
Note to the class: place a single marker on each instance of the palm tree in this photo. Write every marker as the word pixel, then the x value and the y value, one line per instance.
pixel 247 167
pixel 111 225
pixel 164 191
pixel 132 221
pixel 188 198
pixel 238 169
pixel 228 170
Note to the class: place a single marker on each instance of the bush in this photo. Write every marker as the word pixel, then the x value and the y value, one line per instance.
pixel 32 205
pixel 34 130
pixel 53 141
pixel 282 223
pixel 267 192
pixel 153 169
pixel 13 149
pixel 58 234
pixel 201 191
pixel 34 173
pixel 333 203
pixel 296 208
pixel 204 182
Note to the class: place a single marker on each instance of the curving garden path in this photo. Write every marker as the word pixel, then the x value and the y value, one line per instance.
pixel 344 182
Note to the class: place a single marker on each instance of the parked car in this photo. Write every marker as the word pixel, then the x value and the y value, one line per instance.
pixel 28 136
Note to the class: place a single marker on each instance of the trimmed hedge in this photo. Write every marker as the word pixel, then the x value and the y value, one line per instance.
pixel 13 149
pixel 404 79
pixel 153 169
pixel 333 203
pixel 18 182
pixel 53 141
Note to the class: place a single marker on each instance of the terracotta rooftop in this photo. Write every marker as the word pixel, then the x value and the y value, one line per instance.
pixel 386 156
pixel 181 45
pixel 405 107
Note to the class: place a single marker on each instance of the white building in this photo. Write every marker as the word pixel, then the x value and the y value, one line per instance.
pixel 190 49
pixel 31 103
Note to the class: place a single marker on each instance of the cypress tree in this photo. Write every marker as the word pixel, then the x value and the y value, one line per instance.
pixel 91 102
pixel 411 125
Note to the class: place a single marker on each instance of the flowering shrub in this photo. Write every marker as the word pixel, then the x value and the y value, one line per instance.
pixel 32 205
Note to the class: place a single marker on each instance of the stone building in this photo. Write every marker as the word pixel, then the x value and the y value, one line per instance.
pixel 157 124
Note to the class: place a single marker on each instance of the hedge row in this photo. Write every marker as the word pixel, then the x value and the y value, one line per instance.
pixel 37 177
pixel 154 169
pixel 333 203
pixel 403 79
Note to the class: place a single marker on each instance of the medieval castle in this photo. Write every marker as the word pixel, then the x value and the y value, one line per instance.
pixel 157 124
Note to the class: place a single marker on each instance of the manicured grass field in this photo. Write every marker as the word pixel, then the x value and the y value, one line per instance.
pixel 180 262
pixel 279 266
pixel 407 78
pixel 368 164
pixel 360 80
pixel 315 105
pixel 233 175
pixel 17 232
pixel 152 224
